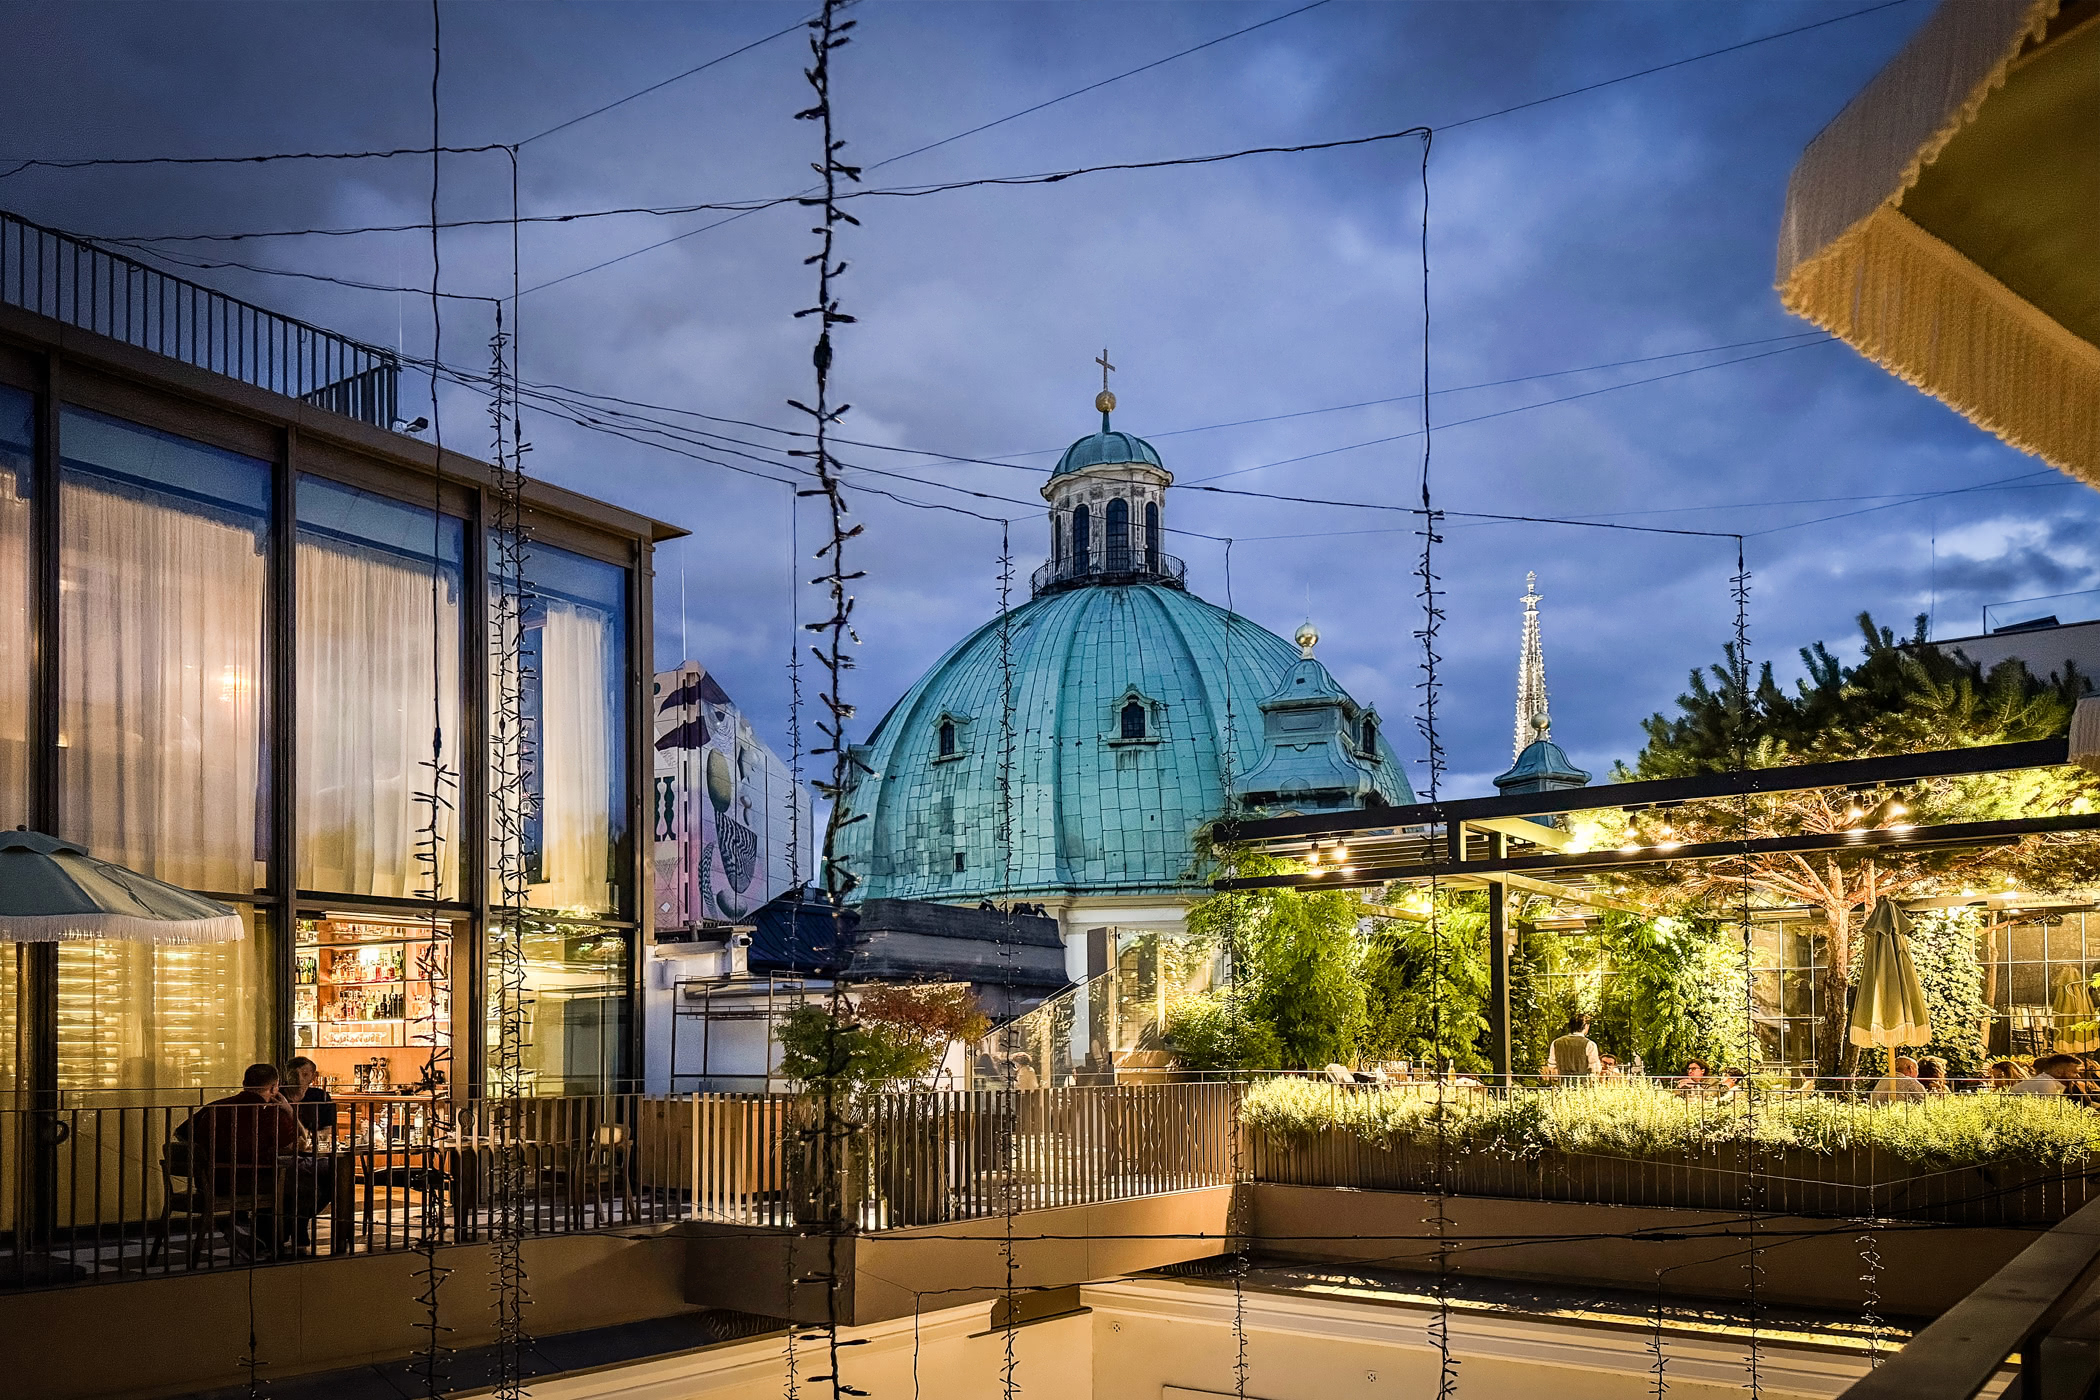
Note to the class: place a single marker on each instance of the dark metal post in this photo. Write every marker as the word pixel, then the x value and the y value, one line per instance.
pixel 470 1051
pixel 36 964
pixel 282 662
pixel 641 786
pixel 1498 964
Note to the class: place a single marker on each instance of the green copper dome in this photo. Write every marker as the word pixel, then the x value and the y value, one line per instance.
pixel 1106 448
pixel 1119 722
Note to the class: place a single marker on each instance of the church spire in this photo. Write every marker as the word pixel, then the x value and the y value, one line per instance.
pixel 1532 723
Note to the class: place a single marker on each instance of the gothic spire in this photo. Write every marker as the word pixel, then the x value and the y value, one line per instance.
pixel 1532 723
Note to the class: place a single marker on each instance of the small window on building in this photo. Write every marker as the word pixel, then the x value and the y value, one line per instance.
pixel 947 740
pixel 1134 720
pixel 1370 736
pixel 958 862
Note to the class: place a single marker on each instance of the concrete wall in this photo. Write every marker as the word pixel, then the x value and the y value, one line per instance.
pixel 1807 1263
pixel 172 1336
pixel 896 1272
pixel 1163 1339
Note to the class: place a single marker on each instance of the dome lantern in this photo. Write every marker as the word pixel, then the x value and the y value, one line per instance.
pixel 1107 500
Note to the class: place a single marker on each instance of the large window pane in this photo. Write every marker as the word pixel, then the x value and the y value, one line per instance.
pixel 574 1010
pixel 379 643
pixel 142 1016
pixel 570 630
pixel 163 547
pixel 17 439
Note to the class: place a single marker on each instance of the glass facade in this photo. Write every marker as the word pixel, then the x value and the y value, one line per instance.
pixel 171 554
pixel 147 1019
pixel 163 564
pixel 574 1007
pixel 2037 978
pixel 576 841
pixel 380 637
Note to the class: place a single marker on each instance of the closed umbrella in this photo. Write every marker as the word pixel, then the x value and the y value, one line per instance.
pixel 53 891
pixel 1889 1008
pixel 2077 1026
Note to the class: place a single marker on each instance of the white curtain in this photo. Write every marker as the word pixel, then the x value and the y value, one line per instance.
pixel 368 676
pixel 161 690
pixel 15 670
pixel 575 761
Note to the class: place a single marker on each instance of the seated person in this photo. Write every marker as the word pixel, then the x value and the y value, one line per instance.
pixel 2002 1075
pixel 1695 1080
pixel 244 1140
pixel 302 1090
pixel 1901 1082
pixel 2053 1074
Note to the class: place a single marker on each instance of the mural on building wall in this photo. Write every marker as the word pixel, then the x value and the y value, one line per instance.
pixel 720 808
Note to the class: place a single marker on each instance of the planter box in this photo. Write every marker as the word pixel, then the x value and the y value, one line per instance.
pixel 1791 1181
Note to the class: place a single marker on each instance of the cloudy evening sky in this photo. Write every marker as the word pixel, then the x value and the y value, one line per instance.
pixel 1634 222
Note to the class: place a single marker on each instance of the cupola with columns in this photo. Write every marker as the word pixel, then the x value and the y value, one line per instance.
pixel 1107 509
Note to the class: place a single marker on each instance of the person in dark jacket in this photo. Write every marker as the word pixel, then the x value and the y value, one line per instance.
pixel 303 1091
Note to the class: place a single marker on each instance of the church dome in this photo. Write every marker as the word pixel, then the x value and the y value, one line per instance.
pixel 1107 448
pixel 1120 693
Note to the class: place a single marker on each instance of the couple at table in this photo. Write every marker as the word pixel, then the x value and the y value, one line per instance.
pixel 261 1141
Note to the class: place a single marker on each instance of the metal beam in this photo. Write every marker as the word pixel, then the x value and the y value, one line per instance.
pixel 1877 839
pixel 1498 1010
pixel 1553 838
pixel 1799 777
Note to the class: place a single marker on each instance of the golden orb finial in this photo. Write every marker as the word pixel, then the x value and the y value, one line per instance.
pixel 1308 637
pixel 1105 402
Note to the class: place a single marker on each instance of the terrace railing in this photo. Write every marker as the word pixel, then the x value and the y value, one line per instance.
pixel 82 284
pixel 147 1189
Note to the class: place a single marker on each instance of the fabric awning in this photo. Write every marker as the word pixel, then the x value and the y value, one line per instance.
pixel 53 891
pixel 1947 224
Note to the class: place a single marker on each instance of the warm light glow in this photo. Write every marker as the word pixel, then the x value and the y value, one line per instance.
pixel 1853 813
pixel 1668 845
pixel 1348 871
pixel 1341 852
pixel 1630 847
pixel 1897 809
pixel 1312 858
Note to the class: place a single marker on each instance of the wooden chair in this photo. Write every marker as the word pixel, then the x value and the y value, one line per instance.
pixel 199 1199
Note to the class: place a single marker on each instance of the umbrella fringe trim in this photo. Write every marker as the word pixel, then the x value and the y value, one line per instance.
pixel 131 928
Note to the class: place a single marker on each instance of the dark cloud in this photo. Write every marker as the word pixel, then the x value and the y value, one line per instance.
pixel 1635 221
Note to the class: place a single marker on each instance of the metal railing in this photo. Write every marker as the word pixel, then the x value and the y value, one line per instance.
pixel 153 1189
pixel 150 1189
pixel 1109 566
pixel 2042 1308
pixel 68 279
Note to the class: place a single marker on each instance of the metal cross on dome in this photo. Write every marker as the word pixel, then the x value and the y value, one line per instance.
pixel 1105 368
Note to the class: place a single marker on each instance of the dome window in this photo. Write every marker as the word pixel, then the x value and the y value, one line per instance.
pixel 1134 720
pixel 947 738
pixel 1370 744
pixel 1118 536
pixel 1152 536
pixel 1082 538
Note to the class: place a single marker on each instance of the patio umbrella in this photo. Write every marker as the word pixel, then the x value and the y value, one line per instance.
pixel 1889 1008
pixel 2077 1025
pixel 54 891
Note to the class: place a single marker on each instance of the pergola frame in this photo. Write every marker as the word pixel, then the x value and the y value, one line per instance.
pixel 1467 843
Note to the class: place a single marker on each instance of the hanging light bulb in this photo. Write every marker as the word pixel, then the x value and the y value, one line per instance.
pixel 1341 852
pixel 1897 809
pixel 1312 857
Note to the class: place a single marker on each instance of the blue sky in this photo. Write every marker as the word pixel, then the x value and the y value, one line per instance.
pixel 1633 222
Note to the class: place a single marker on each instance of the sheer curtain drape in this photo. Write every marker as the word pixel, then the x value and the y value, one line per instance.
pixel 15 653
pixel 161 693
pixel 575 762
pixel 368 673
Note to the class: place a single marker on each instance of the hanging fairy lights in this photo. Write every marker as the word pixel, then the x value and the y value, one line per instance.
pixel 828 33
pixel 434 799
